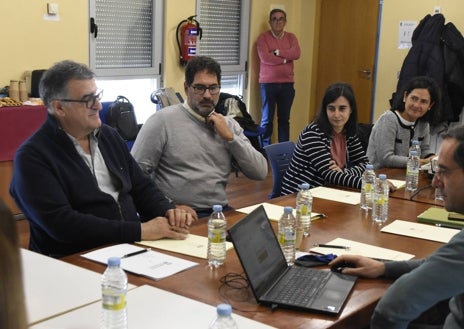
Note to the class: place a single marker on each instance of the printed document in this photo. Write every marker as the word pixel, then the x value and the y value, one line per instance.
pixel 421 231
pixel 194 245
pixel 363 249
pixel 334 194
pixel 274 212
pixel 151 264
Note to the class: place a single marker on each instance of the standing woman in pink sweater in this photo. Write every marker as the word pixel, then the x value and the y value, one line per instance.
pixel 277 49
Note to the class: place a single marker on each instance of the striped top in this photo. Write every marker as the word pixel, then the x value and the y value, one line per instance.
pixel 310 162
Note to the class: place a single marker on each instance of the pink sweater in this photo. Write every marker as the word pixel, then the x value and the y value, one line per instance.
pixel 277 69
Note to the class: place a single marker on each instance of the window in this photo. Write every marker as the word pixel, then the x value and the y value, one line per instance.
pixel 225 27
pixel 126 50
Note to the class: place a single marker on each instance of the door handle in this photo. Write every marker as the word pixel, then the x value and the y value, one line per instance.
pixel 367 73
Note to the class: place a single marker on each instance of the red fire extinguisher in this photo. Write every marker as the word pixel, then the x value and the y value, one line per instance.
pixel 189 32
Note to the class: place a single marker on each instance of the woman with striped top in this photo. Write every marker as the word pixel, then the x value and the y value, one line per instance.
pixel 328 152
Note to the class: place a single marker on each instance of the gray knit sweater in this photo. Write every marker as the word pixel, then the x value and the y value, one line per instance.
pixel 189 161
pixel 390 140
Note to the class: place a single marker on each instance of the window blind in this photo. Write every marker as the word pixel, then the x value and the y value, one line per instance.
pixel 128 41
pixel 221 24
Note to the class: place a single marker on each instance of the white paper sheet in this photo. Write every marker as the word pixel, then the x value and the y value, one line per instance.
pixel 397 183
pixel 194 245
pixel 333 194
pixel 274 212
pixel 421 231
pixel 151 264
pixel 363 249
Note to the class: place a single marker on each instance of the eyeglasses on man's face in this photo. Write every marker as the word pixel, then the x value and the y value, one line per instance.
pixel 278 19
pixel 88 100
pixel 440 173
pixel 201 89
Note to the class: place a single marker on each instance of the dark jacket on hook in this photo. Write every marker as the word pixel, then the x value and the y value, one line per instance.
pixel 438 52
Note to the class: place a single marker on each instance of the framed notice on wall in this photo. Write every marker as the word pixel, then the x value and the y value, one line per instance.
pixel 405 31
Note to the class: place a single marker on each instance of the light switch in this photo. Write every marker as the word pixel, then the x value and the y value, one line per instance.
pixel 52 8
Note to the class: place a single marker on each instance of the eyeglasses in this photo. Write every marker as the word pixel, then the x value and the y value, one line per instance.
pixel 201 89
pixel 278 19
pixel 443 172
pixel 89 100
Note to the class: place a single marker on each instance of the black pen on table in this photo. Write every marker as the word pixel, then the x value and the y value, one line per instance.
pixel 331 246
pixel 135 253
pixel 448 226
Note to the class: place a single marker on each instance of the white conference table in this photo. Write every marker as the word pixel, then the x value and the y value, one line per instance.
pixel 52 287
pixel 149 307
pixel 62 295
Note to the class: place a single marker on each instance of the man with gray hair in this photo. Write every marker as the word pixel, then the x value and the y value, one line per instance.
pixel 75 180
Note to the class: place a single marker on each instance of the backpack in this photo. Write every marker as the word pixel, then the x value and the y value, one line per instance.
pixel 121 116
pixel 233 106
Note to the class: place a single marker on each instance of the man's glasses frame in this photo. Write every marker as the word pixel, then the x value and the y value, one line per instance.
pixel 201 89
pixel 278 19
pixel 443 172
pixel 89 100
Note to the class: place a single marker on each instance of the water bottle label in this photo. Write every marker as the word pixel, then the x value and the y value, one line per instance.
pixel 381 200
pixel 287 236
pixel 113 302
pixel 368 187
pixel 217 236
pixel 302 210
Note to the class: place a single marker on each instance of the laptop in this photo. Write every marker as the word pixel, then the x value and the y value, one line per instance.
pixel 314 290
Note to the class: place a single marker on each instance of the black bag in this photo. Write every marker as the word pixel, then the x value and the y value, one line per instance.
pixel 233 106
pixel 121 116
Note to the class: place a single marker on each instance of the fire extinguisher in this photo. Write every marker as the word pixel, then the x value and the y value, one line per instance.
pixel 188 31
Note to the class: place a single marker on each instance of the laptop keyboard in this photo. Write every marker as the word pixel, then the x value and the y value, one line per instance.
pixel 299 286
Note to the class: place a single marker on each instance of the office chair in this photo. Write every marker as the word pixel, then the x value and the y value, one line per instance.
pixel 164 97
pixel 103 114
pixel 279 156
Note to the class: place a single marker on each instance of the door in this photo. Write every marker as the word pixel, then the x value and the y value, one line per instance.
pixel 347 49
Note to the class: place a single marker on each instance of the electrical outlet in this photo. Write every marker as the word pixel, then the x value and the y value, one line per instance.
pixel 52 8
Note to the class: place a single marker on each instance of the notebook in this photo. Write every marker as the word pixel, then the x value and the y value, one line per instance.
pixel 267 271
pixel 441 217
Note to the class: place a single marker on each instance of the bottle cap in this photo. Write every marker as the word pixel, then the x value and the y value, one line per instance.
pixel 288 210
pixel 114 261
pixel 217 207
pixel 304 186
pixel 224 309
pixel 382 177
pixel 370 166
pixel 415 142
pixel 414 153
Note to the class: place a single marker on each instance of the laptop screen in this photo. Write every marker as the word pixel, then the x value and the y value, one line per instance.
pixel 260 254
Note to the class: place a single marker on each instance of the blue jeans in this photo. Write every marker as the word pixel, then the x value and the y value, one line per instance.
pixel 280 95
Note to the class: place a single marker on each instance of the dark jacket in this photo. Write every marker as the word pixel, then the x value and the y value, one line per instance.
pixel 438 52
pixel 453 53
pixel 425 56
pixel 59 195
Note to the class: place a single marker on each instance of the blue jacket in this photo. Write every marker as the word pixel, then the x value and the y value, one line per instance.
pixel 59 195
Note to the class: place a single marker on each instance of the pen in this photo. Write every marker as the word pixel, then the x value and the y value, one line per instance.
pixel 448 226
pixel 331 246
pixel 135 253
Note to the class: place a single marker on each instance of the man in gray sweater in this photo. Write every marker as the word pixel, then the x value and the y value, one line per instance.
pixel 421 284
pixel 187 148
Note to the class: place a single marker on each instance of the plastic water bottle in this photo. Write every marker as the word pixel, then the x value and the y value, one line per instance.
pixel 412 171
pixel 217 226
pixel 224 319
pixel 114 289
pixel 287 234
pixel 304 206
pixel 415 146
pixel 380 204
pixel 367 187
